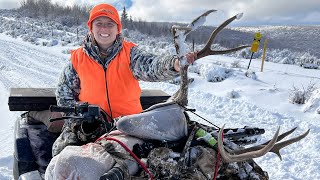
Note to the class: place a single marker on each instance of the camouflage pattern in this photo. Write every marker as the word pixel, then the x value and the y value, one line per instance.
pixel 67 137
pixel 144 66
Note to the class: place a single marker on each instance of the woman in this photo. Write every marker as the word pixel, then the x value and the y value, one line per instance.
pixel 105 72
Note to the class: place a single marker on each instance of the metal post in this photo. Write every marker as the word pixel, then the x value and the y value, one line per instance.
pixel 250 60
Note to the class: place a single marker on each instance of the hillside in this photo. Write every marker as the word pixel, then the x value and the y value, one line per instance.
pixel 294 38
pixel 298 39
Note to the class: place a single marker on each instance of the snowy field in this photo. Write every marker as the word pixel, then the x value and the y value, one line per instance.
pixel 262 102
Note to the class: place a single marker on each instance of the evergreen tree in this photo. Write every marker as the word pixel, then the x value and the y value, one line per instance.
pixel 124 18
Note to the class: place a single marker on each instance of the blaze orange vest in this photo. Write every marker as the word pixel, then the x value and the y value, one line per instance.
pixel 123 89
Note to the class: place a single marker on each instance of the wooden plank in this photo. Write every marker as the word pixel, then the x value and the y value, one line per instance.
pixel 38 99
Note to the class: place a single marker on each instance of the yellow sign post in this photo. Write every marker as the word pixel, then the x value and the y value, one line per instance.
pixel 255 45
pixel 256 42
pixel 264 53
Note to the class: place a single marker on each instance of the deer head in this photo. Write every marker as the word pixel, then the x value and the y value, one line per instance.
pixel 180 97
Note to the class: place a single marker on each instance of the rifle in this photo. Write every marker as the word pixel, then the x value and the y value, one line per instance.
pixel 240 136
pixel 89 121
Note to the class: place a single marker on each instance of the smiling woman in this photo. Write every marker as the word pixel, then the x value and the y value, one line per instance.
pixel 104 31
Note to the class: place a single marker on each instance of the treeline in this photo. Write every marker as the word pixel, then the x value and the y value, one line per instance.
pixel 77 15
pixel 67 16
pixel 227 38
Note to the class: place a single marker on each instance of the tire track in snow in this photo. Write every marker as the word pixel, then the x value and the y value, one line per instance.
pixel 24 66
pixel 21 66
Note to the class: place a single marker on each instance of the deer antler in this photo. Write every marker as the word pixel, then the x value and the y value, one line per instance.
pixel 207 48
pixel 259 150
pixel 180 34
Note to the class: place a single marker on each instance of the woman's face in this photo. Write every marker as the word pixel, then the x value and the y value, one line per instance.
pixel 105 31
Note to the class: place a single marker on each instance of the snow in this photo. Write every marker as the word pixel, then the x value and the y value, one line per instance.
pixel 262 102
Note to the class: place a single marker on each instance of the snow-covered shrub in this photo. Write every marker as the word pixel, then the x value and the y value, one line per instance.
pixel 12 34
pixel 53 42
pixel 300 96
pixel 285 56
pixel 66 39
pixel 307 59
pixel 195 68
pixel 243 53
pixel 45 43
pixel 152 43
pixel 30 39
pixel 66 51
pixel 59 26
pixel 251 74
pixel 214 73
pixel 125 33
pixel 246 54
pixel 273 89
pixel 310 66
pixel 37 34
pixel 233 94
pixel 64 43
pixel 297 96
pixel 236 64
pixel 163 45
pixel 37 23
pixel 66 21
pixel 313 103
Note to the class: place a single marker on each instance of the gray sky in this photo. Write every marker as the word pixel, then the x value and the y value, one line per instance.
pixel 256 12
pixel 9 4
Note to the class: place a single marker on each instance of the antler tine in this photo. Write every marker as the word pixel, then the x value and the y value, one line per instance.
pixel 199 21
pixel 283 135
pixel 260 146
pixel 229 50
pixel 247 155
pixel 207 48
pixel 278 146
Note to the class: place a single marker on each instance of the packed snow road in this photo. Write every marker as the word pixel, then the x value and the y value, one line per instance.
pixel 27 66
pixel 21 65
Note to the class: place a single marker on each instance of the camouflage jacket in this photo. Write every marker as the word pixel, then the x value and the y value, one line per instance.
pixel 144 66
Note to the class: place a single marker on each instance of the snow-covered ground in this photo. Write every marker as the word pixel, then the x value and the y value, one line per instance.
pixel 262 102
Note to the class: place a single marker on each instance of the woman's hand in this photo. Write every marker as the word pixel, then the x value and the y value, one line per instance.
pixel 191 56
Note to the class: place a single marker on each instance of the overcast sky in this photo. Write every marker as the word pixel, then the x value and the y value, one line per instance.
pixel 256 12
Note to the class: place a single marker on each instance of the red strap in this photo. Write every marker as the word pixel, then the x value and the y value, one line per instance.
pixel 144 167
pixel 217 163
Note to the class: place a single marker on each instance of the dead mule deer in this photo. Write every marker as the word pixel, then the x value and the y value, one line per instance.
pixel 180 97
